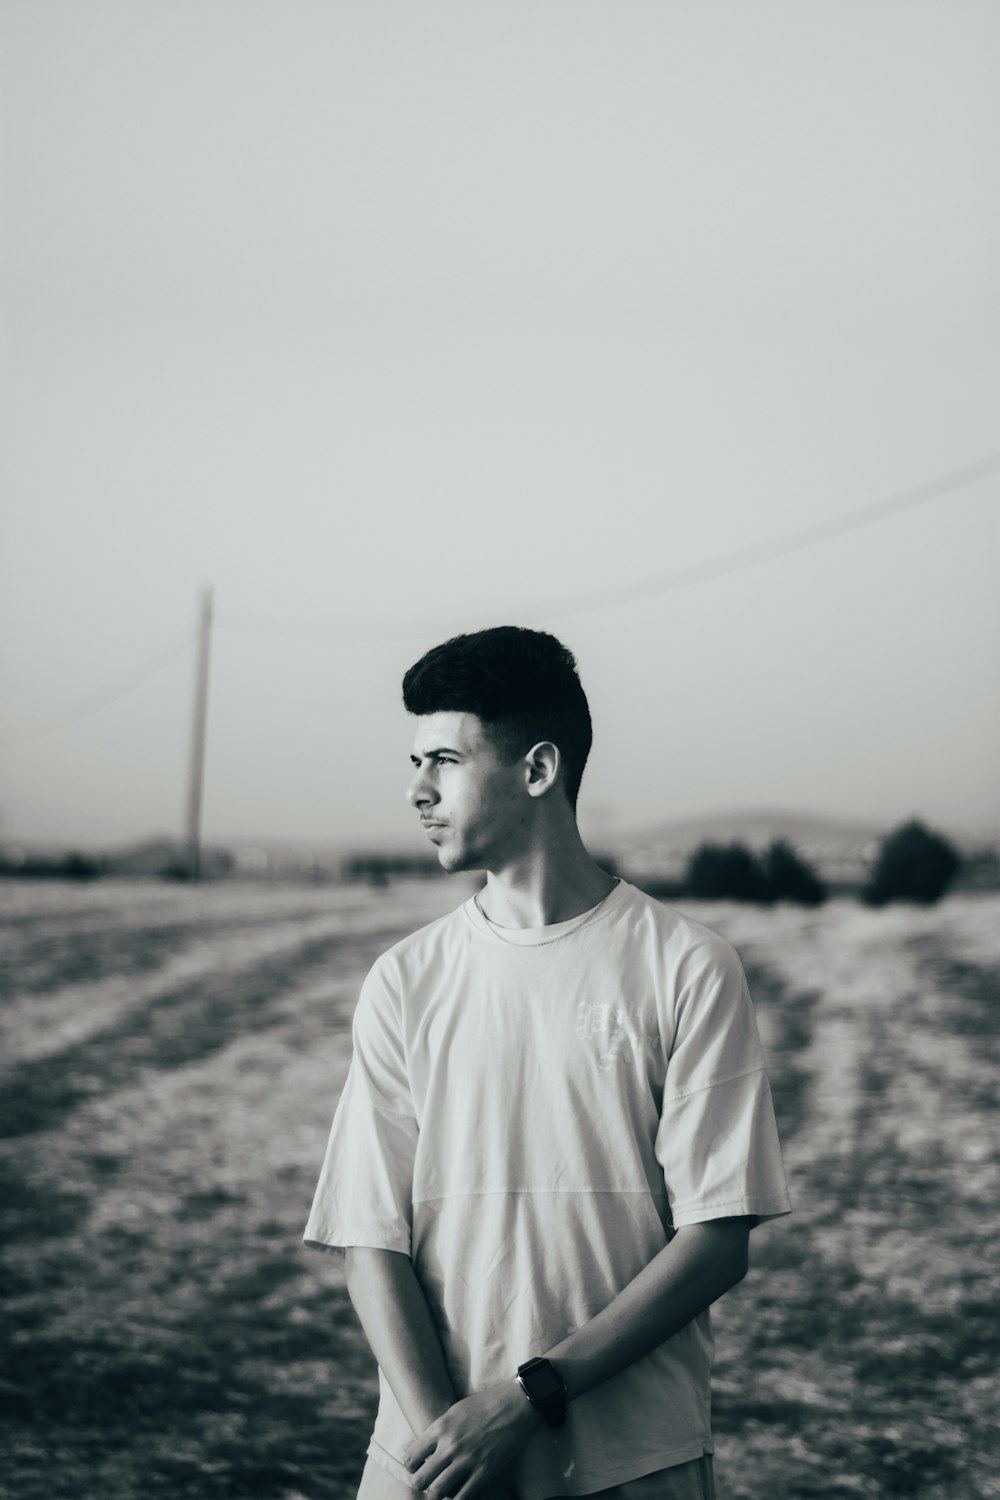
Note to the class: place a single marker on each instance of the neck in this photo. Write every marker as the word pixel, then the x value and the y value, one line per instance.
pixel 551 881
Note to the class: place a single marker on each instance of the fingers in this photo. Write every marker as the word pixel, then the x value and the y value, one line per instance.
pixel 447 1486
pixel 449 1476
pixel 419 1448
pixel 440 1474
pixel 426 1473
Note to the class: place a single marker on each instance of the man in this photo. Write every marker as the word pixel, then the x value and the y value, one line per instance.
pixel 556 1133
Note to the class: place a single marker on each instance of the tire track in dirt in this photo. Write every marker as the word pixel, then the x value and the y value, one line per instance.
pixel 874 1323
pixel 790 1018
pixel 208 1354
pixel 177 1025
pixel 33 1026
pixel 76 955
pixel 251 924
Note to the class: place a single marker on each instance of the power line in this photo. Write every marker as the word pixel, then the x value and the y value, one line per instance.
pixel 109 695
pixel 798 541
pixel 679 578
pixel 734 562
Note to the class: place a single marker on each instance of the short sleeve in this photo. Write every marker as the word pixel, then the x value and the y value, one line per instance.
pixel 363 1196
pixel 717 1140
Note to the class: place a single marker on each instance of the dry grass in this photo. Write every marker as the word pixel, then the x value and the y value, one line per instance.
pixel 172 1060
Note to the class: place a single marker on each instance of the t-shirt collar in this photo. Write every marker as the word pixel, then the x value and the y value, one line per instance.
pixel 527 937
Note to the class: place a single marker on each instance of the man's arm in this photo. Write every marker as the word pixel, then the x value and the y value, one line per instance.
pixel 701 1262
pixel 472 1441
pixel 397 1322
pixel 393 1311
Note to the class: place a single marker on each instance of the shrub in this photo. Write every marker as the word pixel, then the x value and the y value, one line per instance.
pixel 789 877
pixel 912 864
pixel 725 872
pixel 733 872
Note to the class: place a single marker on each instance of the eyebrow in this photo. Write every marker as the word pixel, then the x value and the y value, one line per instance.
pixel 432 754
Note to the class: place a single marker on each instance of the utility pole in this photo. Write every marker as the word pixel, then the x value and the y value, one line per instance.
pixel 197 766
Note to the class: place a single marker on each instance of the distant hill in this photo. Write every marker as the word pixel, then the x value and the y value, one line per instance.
pixel 838 847
pixel 758 826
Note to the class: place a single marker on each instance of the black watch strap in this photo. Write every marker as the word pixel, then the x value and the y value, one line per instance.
pixel 544 1388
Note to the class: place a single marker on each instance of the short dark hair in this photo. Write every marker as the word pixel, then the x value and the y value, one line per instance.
pixel 523 684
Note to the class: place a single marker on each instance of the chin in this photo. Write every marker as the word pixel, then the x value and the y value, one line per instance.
pixel 454 861
pixel 451 863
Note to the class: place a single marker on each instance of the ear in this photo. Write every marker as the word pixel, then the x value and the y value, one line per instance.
pixel 543 763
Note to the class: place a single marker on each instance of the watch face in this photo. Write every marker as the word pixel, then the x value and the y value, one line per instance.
pixel 543 1383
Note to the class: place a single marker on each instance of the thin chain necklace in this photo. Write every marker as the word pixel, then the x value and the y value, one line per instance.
pixel 479 905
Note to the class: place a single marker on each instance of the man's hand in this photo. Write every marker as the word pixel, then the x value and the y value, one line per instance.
pixel 466 1448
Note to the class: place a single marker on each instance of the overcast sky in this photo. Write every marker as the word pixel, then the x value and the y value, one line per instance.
pixel 390 320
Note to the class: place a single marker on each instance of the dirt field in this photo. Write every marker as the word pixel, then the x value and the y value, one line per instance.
pixel 171 1061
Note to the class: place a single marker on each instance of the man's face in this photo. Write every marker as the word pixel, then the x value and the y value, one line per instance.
pixel 473 806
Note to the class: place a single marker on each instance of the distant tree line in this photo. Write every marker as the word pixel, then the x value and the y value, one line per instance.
pixel 379 869
pixel 735 872
pixel 71 866
pixel 913 863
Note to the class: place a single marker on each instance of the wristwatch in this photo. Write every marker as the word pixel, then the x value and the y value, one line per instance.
pixel 544 1389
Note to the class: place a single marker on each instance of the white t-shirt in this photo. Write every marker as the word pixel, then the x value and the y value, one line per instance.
pixel 530 1114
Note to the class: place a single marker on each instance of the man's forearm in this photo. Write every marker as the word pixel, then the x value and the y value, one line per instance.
pixel 701 1262
pixel 401 1333
pixel 479 1435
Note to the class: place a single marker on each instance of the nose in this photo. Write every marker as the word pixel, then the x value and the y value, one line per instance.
pixel 420 793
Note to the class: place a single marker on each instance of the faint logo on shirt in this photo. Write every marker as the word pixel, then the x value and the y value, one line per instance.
pixel 615 1030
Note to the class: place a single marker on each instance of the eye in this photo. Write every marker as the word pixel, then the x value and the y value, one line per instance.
pixel 446 760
